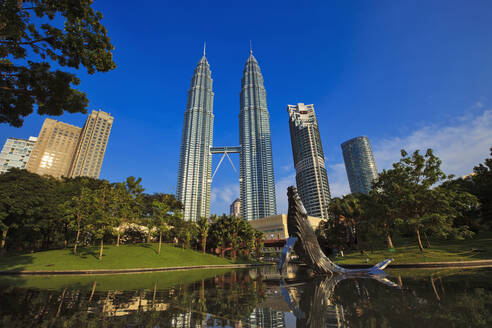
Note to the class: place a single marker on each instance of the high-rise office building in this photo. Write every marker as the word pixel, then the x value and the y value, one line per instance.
pixel 309 160
pixel 65 150
pixel 54 150
pixel 16 153
pixel 360 165
pixel 257 186
pixel 235 208
pixel 92 145
pixel 195 162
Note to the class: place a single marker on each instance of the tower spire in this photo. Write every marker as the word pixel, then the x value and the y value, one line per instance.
pixel 250 47
pixel 204 47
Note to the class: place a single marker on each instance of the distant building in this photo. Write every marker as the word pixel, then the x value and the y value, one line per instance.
pixel 65 150
pixel 92 145
pixel 309 160
pixel 16 153
pixel 275 226
pixel 54 150
pixel 360 165
pixel 235 209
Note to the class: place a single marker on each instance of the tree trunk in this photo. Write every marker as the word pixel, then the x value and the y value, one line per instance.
pixel 4 238
pixel 61 303
pixel 92 291
pixel 65 243
pixel 427 240
pixel 153 295
pixel 118 238
pixel 148 237
pixel 160 242
pixel 435 290
pixel 204 244
pixel 389 241
pixel 101 249
pixel 76 242
pixel 419 240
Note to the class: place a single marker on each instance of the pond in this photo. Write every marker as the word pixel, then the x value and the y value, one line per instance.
pixel 249 298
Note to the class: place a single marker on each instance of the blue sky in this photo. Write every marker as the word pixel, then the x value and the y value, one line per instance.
pixel 415 74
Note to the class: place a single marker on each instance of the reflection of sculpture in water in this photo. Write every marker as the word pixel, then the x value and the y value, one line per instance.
pixel 303 241
pixel 314 307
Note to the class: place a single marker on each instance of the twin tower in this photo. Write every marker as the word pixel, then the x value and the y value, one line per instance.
pixel 257 187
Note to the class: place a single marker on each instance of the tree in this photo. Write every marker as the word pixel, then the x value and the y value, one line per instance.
pixel 407 194
pixel 230 232
pixel 103 217
pixel 203 225
pixel 78 210
pixel 21 198
pixel 31 40
pixel 482 188
pixel 346 214
pixel 121 207
pixel 160 214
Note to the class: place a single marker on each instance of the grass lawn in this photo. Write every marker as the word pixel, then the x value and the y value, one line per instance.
pixel 122 257
pixel 406 251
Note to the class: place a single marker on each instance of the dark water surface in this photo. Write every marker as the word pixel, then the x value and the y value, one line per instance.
pixel 249 298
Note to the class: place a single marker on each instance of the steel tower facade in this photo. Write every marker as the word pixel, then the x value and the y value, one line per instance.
pixel 309 160
pixel 257 186
pixel 195 162
pixel 360 165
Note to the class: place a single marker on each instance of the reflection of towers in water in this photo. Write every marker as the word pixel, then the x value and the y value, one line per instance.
pixel 265 318
pixel 187 320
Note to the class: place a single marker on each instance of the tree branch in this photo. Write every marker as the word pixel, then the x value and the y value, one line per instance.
pixel 14 90
pixel 29 43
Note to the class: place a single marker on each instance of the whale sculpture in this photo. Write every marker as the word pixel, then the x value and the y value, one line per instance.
pixel 303 241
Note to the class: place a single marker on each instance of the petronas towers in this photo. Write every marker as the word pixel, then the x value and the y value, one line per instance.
pixel 257 185
pixel 195 161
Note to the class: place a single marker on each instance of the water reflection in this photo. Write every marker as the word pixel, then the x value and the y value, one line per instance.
pixel 255 298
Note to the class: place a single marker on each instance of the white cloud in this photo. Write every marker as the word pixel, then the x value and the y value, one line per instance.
pixel 460 146
pixel 337 178
pixel 222 197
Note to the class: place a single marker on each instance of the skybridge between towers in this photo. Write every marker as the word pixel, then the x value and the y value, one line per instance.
pixel 225 151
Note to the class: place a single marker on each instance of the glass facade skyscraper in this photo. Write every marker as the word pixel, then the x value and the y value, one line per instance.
pixel 360 165
pixel 257 186
pixel 195 162
pixel 16 153
pixel 309 160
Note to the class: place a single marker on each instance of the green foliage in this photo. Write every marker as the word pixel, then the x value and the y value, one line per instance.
pixel 42 213
pixel 482 188
pixel 413 198
pixel 32 40
pixel 230 232
pixel 203 226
